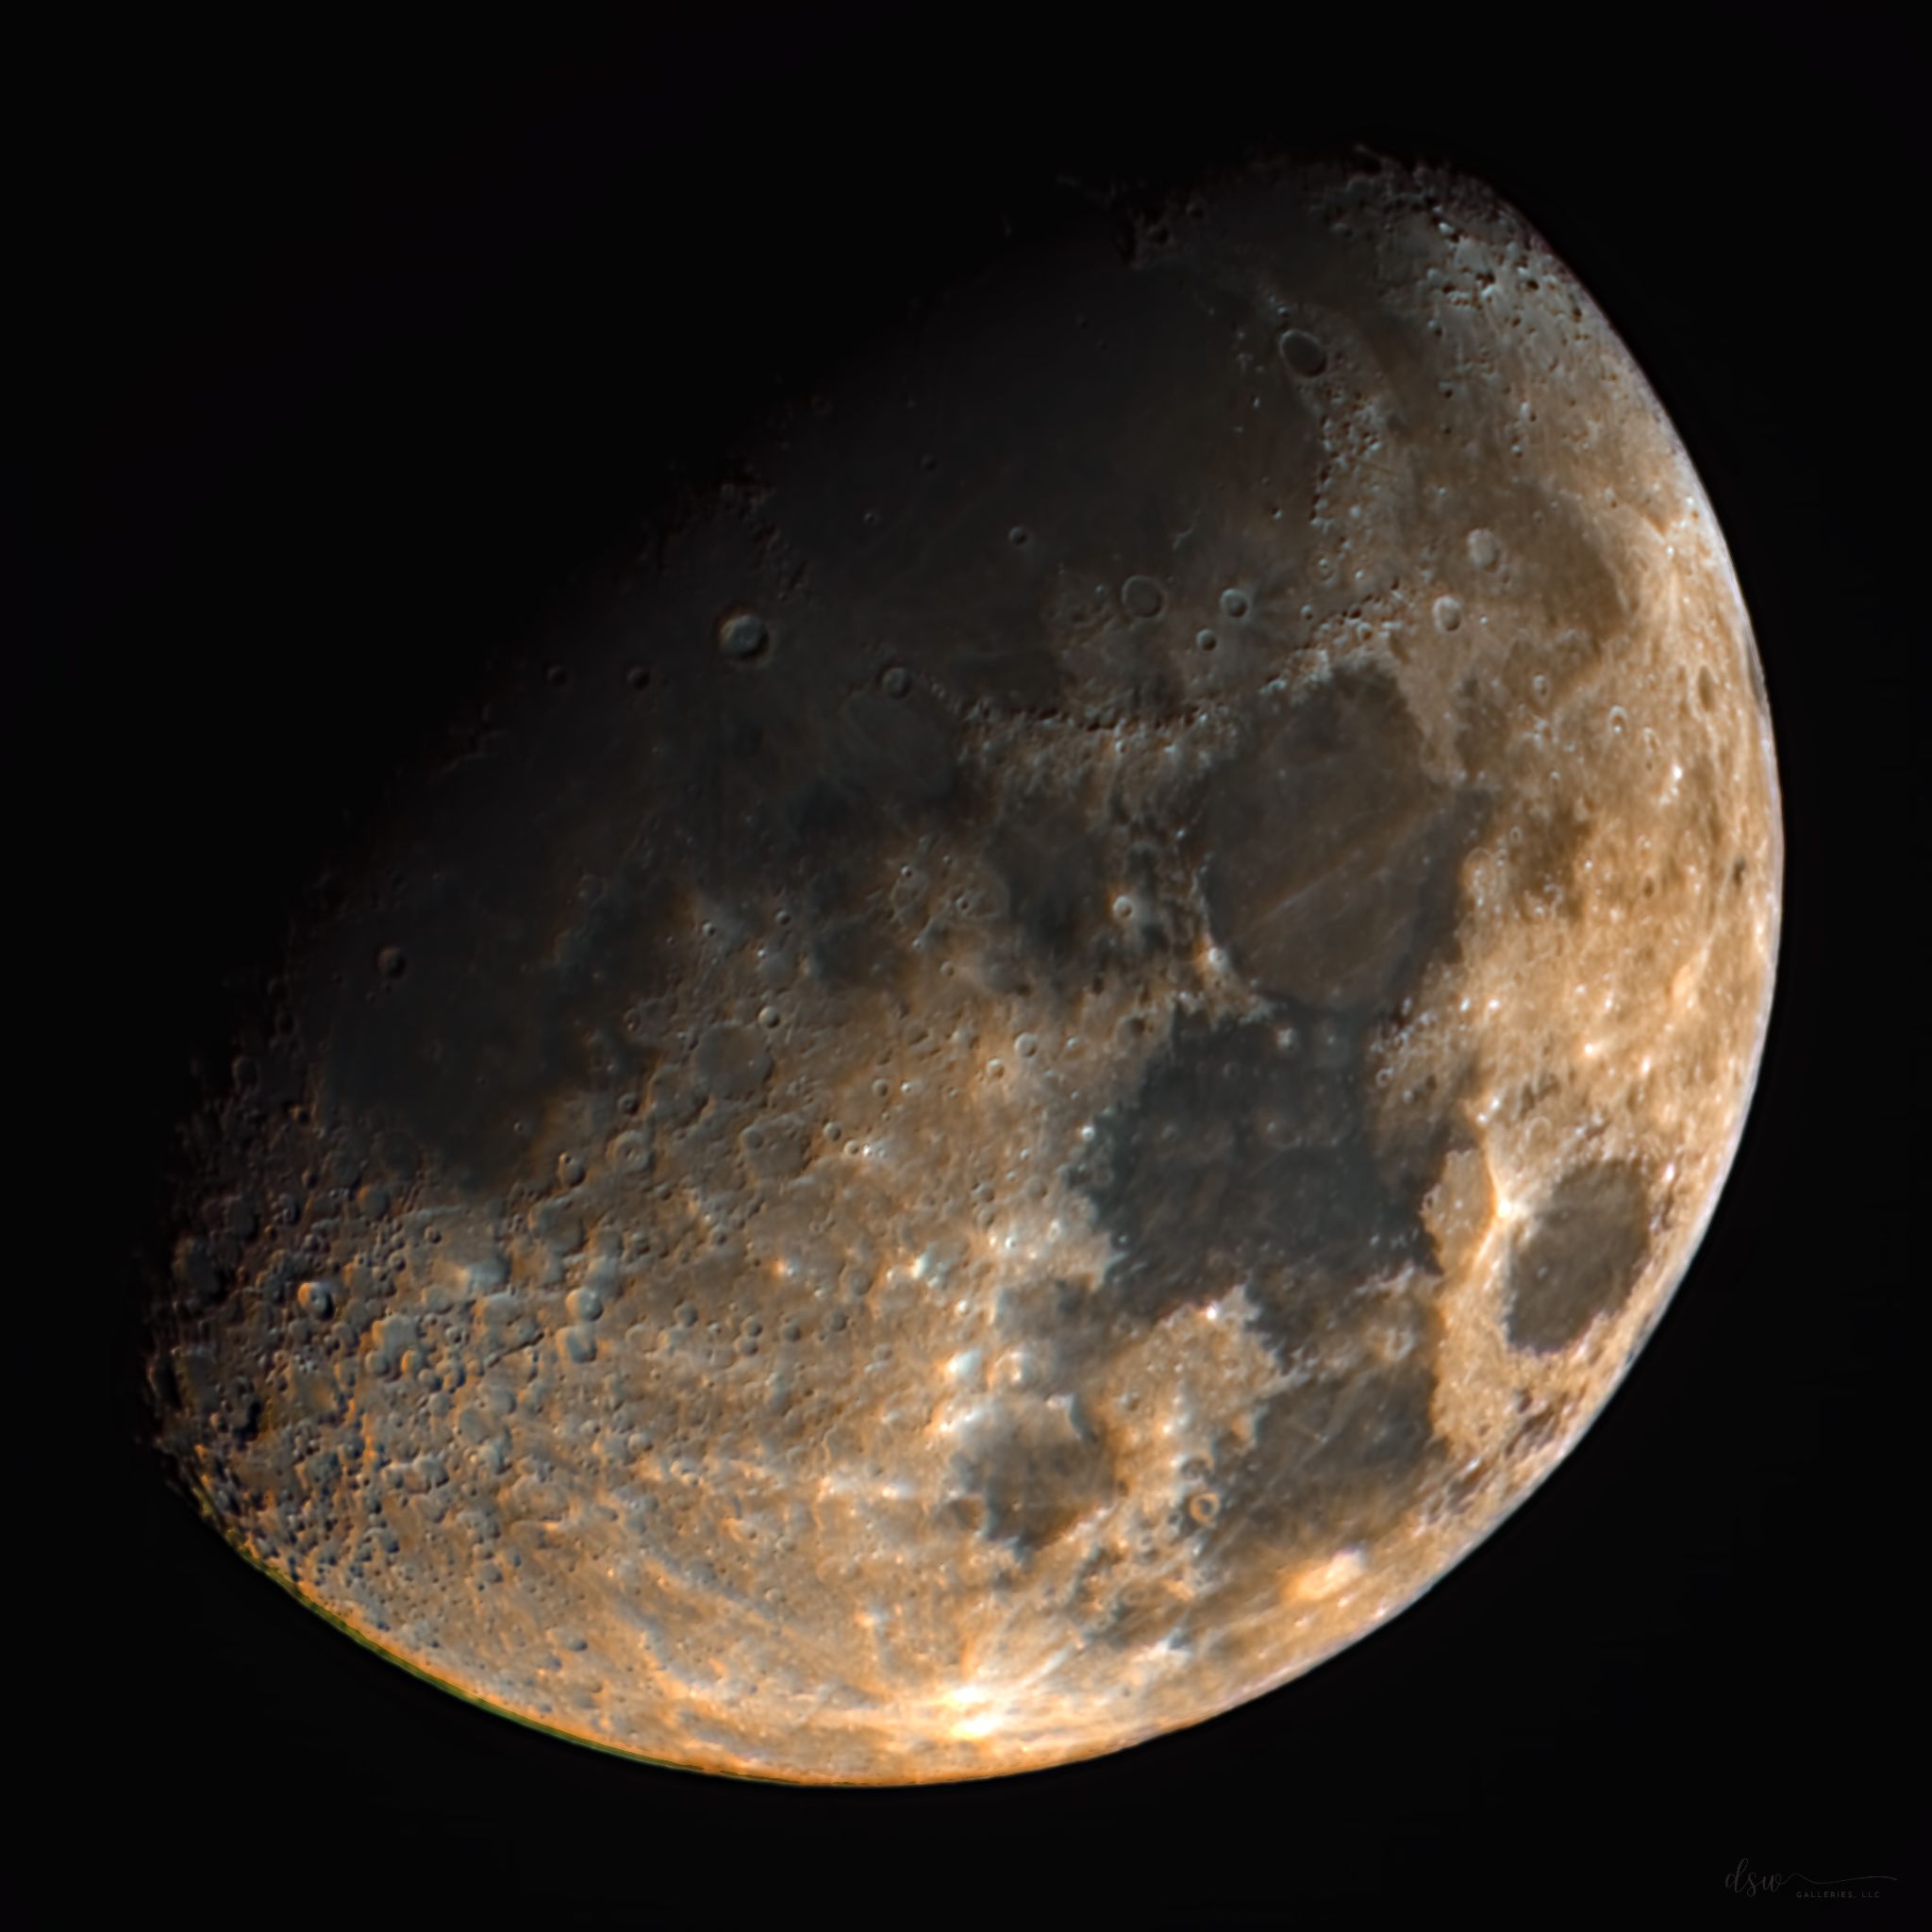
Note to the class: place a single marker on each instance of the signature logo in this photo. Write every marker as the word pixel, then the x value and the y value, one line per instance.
pixel 1749 1884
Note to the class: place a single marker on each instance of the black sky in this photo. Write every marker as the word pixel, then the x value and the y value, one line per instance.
pixel 344 350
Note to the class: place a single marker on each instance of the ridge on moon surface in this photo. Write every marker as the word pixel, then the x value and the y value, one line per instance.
pixel 1073 1040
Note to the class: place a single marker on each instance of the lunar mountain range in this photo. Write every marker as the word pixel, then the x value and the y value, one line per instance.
pixel 1069 1038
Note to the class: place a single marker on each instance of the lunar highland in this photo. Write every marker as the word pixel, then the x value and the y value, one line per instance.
pixel 1063 1044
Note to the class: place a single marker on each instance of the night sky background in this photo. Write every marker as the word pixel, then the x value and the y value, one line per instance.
pixel 345 351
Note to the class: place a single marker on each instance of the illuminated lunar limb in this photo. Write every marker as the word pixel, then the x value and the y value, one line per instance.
pixel 1079 1040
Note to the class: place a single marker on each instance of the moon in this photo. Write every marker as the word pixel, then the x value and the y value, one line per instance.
pixel 1061 1043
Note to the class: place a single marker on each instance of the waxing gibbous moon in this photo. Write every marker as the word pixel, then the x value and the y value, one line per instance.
pixel 1061 1044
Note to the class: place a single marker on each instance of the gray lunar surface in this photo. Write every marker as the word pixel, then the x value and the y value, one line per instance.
pixel 1073 1040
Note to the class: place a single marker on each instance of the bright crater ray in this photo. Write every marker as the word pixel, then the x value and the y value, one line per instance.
pixel 1079 1040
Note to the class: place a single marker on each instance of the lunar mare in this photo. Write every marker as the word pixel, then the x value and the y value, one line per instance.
pixel 1074 1037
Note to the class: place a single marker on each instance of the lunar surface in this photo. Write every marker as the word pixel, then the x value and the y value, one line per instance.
pixel 1065 1040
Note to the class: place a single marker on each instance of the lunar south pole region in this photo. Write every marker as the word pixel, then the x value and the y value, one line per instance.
pixel 1069 1037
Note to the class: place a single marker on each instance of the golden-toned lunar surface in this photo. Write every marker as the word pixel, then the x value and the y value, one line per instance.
pixel 1075 1035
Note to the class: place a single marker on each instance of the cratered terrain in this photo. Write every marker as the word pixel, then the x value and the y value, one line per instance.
pixel 1067 1040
